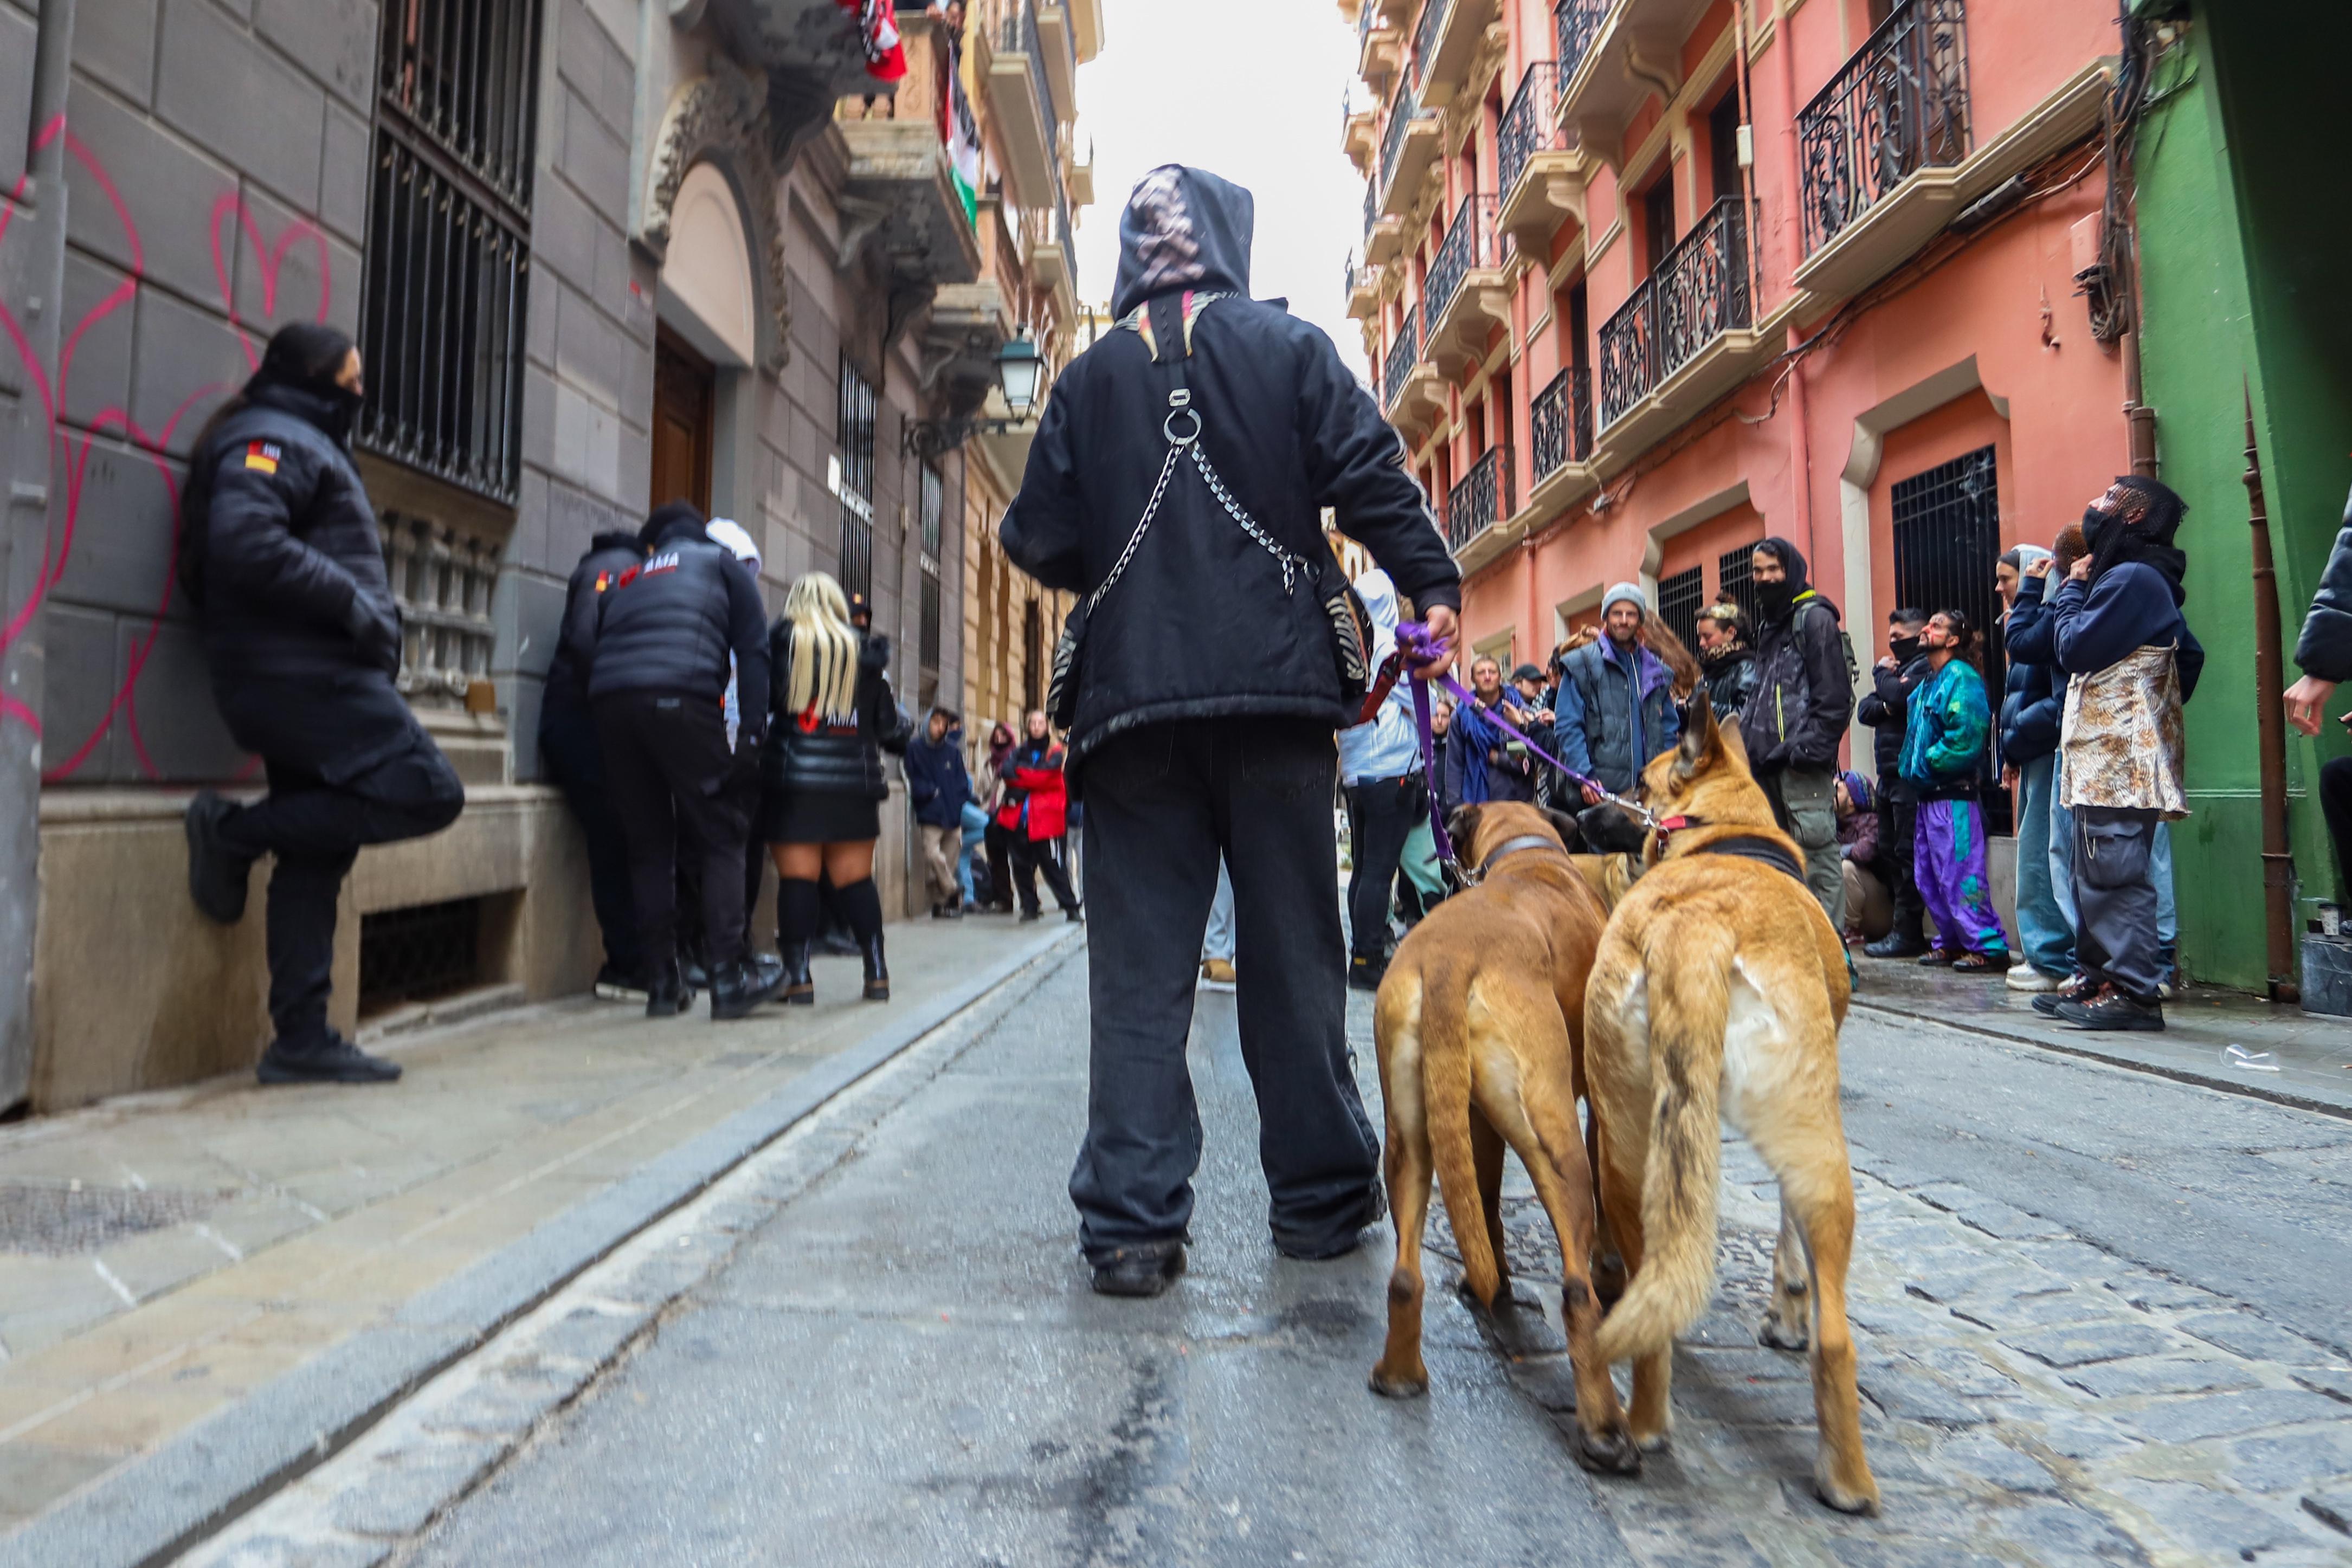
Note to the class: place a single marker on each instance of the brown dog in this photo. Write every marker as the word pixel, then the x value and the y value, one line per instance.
pixel 1611 875
pixel 1719 983
pixel 1478 1027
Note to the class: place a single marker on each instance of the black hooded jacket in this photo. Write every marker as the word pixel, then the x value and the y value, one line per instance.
pixel 668 623
pixel 1200 626
pixel 1804 692
pixel 2324 649
pixel 609 555
pixel 805 754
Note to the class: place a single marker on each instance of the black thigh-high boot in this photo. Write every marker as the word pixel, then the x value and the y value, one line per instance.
pixel 861 906
pixel 796 920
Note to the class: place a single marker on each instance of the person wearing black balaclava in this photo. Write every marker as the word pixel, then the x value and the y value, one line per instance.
pixel 1207 692
pixel 1804 695
pixel 2132 663
pixel 278 551
pixel 1886 708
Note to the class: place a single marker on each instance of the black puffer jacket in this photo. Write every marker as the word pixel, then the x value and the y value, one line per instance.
pixel 609 556
pixel 668 625
pixel 805 754
pixel 1803 694
pixel 1730 682
pixel 1886 708
pixel 1202 625
pixel 2324 649
pixel 2034 695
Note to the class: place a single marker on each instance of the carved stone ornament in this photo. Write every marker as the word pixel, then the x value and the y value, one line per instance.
pixel 721 119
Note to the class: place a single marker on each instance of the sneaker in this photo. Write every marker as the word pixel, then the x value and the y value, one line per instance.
pixel 2111 1009
pixel 217 875
pixel 333 1060
pixel 1145 1271
pixel 2076 987
pixel 617 985
pixel 1979 963
pixel 1365 973
pixel 1938 958
pixel 1216 974
pixel 2026 978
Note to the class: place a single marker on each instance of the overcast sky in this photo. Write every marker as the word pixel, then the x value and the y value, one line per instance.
pixel 1250 89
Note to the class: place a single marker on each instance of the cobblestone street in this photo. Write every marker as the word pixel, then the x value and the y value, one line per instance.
pixel 2114 1345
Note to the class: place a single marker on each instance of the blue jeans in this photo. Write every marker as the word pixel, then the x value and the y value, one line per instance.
pixel 975 827
pixel 2045 929
pixel 2062 876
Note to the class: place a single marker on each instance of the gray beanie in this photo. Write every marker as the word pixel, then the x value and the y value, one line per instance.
pixel 1625 593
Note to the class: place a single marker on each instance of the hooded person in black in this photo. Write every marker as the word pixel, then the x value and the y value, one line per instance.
pixel 1804 697
pixel 279 553
pixel 1207 693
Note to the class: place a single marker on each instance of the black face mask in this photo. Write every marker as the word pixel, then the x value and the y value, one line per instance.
pixel 1904 648
pixel 1776 599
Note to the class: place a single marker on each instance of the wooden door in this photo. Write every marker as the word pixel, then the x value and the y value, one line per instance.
pixel 685 395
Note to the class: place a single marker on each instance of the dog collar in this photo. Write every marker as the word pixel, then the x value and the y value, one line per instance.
pixel 1669 826
pixel 1744 846
pixel 1513 846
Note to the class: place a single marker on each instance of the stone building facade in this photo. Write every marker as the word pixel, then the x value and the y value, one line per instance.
pixel 598 254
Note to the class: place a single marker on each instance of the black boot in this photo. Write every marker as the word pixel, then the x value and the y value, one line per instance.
pixel 666 993
pixel 330 1059
pixel 878 972
pixel 800 987
pixel 1141 1270
pixel 217 875
pixel 1898 943
pixel 740 988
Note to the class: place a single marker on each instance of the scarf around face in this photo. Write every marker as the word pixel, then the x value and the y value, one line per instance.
pixel 2135 521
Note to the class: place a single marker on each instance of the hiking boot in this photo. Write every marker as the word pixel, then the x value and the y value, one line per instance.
pixel 1365 973
pixel 741 988
pixel 1895 944
pixel 2113 1011
pixel 878 970
pixel 329 1060
pixel 614 984
pixel 1939 957
pixel 1979 963
pixel 1142 1271
pixel 2075 987
pixel 799 989
pixel 218 874
pixel 666 992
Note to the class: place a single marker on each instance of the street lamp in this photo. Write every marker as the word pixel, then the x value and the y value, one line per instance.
pixel 1019 369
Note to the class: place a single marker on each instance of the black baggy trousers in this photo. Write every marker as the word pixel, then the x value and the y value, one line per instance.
pixel 674 782
pixel 1381 816
pixel 1164 804
pixel 573 757
pixel 317 829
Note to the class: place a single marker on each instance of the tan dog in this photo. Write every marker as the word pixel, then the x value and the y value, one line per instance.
pixel 1610 876
pixel 1478 1027
pixel 1720 984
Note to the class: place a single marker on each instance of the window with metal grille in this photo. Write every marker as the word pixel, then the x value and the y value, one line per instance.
pixel 935 509
pixel 1732 579
pixel 1947 544
pixel 445 285
pixel 1679 597
pixel 413 955
pixel 859 411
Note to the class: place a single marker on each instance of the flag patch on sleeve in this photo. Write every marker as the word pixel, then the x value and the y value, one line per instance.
pixel 263 456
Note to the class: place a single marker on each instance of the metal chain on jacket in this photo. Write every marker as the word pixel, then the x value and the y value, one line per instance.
pixel 1136 539
pixel 1291 564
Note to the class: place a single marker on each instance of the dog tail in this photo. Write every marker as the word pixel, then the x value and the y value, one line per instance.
pixel 1445 1089
pixel 1678 1185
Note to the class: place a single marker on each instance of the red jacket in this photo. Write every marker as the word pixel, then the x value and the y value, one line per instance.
pixel 1036 781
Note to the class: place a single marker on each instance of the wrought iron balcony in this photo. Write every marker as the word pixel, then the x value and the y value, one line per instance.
pixel 1575 25
pixel 1425 37
pixel 1899 105
pixel 1559 421
pixel 1481 499
pixel 1372 206
pixel 1404 354
pixel 1698 293
pixel 1472 242
pixel 1020 37
pixel 1530 125
pixel 1402 109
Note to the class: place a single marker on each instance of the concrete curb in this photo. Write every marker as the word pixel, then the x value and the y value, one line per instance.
pixel 157 1505
pixel 2087 1046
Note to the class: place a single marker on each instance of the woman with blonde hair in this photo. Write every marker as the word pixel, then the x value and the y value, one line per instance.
pixel 832 715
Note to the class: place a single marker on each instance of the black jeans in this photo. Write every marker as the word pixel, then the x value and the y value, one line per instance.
pixel 1898 829
pixel 1381 815
pixel 671 777
pixel 317 829
pixel 2335 804
pixel 1163 804
pixel 997 842
pixel 574 760
pixel 1033 857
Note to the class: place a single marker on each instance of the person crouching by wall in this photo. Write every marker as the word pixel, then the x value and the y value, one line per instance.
pixel 821 775
pixel 278 551
pixel 668 634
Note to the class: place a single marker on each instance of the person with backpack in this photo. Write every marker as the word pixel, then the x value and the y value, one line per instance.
pixel 279 553
pixel 1804 696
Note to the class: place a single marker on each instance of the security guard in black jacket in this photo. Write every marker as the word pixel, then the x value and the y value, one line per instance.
pixel 657 682
pixel 1208 693
pixel 279 551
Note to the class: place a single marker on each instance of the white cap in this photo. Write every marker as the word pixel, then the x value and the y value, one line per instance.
pixel 731 534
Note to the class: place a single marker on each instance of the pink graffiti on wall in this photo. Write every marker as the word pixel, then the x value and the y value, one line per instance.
pixel 69 452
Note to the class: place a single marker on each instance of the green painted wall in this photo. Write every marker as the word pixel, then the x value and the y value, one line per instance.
pixel 2242 262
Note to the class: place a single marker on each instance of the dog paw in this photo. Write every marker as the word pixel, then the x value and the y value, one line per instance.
pixel 1610 1453
pixel 1777 1336
pixel 1847 1499
pixel 1388 1388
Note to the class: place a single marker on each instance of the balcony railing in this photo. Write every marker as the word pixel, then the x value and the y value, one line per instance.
pixel 1364 17
pixel 1473 242
pixel 1371 203
pixel 1559 421
pixel 1530 125
pixel 1404 354
pixel 1698 293
pixel 1575 25
pixel 1066 239
pixel 1900 104
pixel 1481 499
pixel 1020 37
pixel 1425 36
pixel 1403 108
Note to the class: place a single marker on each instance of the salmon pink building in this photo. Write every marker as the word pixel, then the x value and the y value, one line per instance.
pixel 1643 281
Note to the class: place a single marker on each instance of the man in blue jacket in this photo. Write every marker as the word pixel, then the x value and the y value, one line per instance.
pixel 1616 704
pixel 941 787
